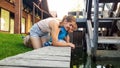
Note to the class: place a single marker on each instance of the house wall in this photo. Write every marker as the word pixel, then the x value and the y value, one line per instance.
pixel 17 23
pixel 8 6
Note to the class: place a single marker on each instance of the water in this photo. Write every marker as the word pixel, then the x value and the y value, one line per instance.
pixel 80 59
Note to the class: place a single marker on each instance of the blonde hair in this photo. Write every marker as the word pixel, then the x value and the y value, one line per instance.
pixel 71 19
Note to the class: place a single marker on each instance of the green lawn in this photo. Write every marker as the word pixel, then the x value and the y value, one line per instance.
pixel 11 44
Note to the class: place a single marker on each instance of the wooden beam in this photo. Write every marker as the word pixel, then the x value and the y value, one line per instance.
pixel 90 31
pixel 109 40
pixel 89 6
pixel 108 1
pixel 17 24
pixel 41 9
pixel 33 13
pixel 6 5
pixel 89 37
pixel 111 18
pixel 83 20
pixel 96 25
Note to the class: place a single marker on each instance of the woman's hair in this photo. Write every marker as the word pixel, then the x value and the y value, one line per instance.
pixel 71 19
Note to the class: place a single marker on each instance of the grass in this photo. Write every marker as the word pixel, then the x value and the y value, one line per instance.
pixel 11 44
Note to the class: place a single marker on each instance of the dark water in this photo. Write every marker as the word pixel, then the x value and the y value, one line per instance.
pixel 79 59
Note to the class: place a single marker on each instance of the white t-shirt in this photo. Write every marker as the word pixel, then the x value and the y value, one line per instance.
pixel 44 24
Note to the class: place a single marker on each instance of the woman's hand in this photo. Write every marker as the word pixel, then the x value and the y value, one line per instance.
pixel 71 45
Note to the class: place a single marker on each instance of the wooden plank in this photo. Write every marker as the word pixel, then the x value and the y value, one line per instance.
pixel 109 40
pixel 39 57
pixel 35 63
pixel 53 57
pixel 83 20
pixel 28 67
pixel 108 1
pixel 114 18
pixel 11 67
pixel 108 55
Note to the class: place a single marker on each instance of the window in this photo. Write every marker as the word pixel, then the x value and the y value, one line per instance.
pixel 11 26
pixel 5 19
pixel 23 25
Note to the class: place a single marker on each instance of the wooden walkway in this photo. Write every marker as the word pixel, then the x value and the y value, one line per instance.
pixel 46 57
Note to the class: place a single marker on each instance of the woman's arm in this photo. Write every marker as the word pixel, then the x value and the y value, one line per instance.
pixel 67 38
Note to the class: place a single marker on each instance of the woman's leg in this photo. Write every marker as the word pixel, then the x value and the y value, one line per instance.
pixel 27 41
pixel 35 32
pixel 36 42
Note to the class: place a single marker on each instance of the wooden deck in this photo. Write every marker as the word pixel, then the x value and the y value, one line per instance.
pixel 46 57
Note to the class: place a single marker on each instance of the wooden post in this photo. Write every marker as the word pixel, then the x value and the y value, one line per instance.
pixel 17 28
pixel 89 5
pixel 33 14
pixel 28 23
pixel 41 15
pixel 96 24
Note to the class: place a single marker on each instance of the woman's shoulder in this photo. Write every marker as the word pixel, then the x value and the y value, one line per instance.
pixel 54 19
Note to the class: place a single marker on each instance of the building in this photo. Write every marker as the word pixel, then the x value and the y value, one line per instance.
pixel 17 16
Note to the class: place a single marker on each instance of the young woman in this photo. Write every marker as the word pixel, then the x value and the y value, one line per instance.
pixel 41 30
pixel 63 33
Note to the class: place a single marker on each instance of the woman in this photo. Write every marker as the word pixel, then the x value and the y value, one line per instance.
pixel 51 26
pixel 63 33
